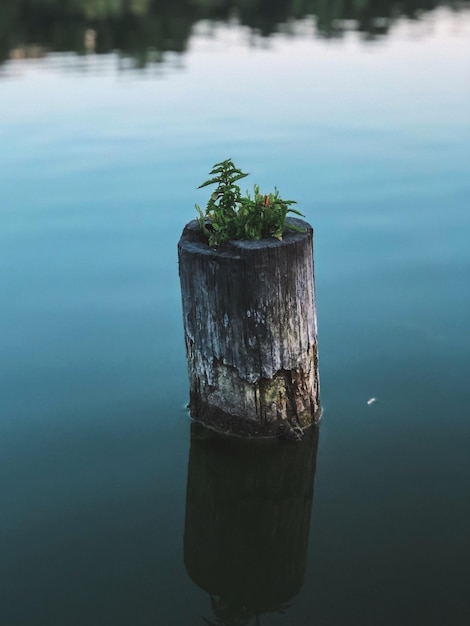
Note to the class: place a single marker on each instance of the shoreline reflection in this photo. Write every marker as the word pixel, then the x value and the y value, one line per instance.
pixel 144 31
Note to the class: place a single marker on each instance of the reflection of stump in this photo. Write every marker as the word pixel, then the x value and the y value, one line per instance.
pixel 247 519
pixel 250 330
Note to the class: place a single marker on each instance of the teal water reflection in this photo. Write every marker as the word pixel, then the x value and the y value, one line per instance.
pixel 98 172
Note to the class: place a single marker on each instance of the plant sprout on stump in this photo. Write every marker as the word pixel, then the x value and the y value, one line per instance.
pixel 249 314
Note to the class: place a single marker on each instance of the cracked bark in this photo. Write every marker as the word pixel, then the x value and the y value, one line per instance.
pixel 250 331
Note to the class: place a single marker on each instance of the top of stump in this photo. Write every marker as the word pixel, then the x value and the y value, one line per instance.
pixel 193 240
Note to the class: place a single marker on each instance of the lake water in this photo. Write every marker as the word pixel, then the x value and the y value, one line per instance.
pixel 110 512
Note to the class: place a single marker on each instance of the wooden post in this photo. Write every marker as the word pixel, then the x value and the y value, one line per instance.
pixel 251 333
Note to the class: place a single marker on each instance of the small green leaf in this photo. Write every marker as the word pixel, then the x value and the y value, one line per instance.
pixel 296 212
pixel 212 181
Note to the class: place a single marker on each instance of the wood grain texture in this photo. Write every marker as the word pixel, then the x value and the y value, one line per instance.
pixel 250 331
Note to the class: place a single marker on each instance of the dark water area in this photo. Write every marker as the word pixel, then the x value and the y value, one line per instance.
pixel 115 508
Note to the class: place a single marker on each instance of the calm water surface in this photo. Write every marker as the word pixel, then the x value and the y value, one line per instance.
pixel 110 513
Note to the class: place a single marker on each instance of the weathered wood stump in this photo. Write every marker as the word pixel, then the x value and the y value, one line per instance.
pixel 250 331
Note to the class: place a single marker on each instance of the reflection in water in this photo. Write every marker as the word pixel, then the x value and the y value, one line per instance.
pixel 145 29
pixel 247 522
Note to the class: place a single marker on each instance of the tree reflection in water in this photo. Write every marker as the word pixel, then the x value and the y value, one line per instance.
pixel 247 526
pixel 145 29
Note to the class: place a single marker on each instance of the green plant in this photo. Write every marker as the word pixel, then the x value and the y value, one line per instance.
pixel 229 215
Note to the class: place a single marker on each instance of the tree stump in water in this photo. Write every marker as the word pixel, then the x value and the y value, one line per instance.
pixel 250 331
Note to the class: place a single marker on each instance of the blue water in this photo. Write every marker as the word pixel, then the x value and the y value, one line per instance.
pixel 98 174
